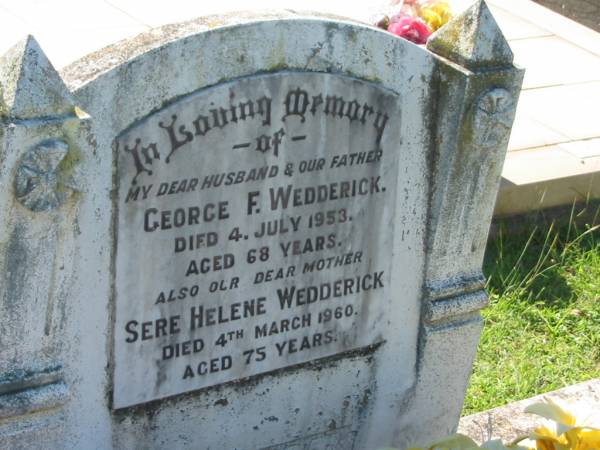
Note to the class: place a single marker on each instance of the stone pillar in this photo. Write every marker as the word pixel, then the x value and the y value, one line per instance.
pixel 40 134
pixel 477 93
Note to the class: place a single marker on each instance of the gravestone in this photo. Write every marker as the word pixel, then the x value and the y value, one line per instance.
pixel 248 232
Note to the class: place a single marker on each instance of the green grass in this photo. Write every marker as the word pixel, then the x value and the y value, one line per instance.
pixel 542 328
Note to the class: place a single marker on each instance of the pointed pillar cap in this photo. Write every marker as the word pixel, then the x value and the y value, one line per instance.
pixel 30 86
pixel 472 40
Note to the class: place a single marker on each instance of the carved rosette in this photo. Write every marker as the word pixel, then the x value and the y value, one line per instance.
pixel 40 184
pixel 493 117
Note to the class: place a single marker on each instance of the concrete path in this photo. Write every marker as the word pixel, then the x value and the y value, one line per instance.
pixel 554 152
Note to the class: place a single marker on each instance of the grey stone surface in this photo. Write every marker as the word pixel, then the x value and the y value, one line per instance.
pixel 473 40
pixel 91 284
pixel 43 137
pixel 27 401
pixel 31 87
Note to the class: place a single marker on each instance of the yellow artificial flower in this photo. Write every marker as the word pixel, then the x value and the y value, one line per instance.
pixel 547 438
pixel 587 439
pixel 431 18
pixel 555 411
pixel 455 442
pixel 568 428
pixel 435 14
pixel 444 11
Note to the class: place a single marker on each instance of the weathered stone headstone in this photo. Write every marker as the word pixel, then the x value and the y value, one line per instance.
pixel 248 232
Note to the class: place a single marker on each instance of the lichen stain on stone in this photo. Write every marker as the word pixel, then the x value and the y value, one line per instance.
pixel 221 402
pixel 352 35
pixel 85 130
pixel 364 401
pixel 13 282
pixel 373 79
pixel 67 167
pixel 277 60
pixel 395 53
pixel 332 28
pixel 332 425
pixel 276 68
pixel 15 277
pixel 161 375
pixel 451 45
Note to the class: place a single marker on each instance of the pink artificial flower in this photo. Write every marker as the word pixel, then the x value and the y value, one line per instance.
pixel 410 28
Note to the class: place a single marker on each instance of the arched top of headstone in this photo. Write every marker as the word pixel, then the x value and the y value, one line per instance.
pixel 334 32
pixel 473 40
pixel 181 60
pixel 31 87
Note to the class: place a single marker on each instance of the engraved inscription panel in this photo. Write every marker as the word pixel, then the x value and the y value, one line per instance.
pixel 255 228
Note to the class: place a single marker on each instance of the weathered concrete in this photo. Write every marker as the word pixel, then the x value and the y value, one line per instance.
pixel 43 138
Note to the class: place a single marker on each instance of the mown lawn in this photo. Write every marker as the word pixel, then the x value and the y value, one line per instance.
pixel 542 328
